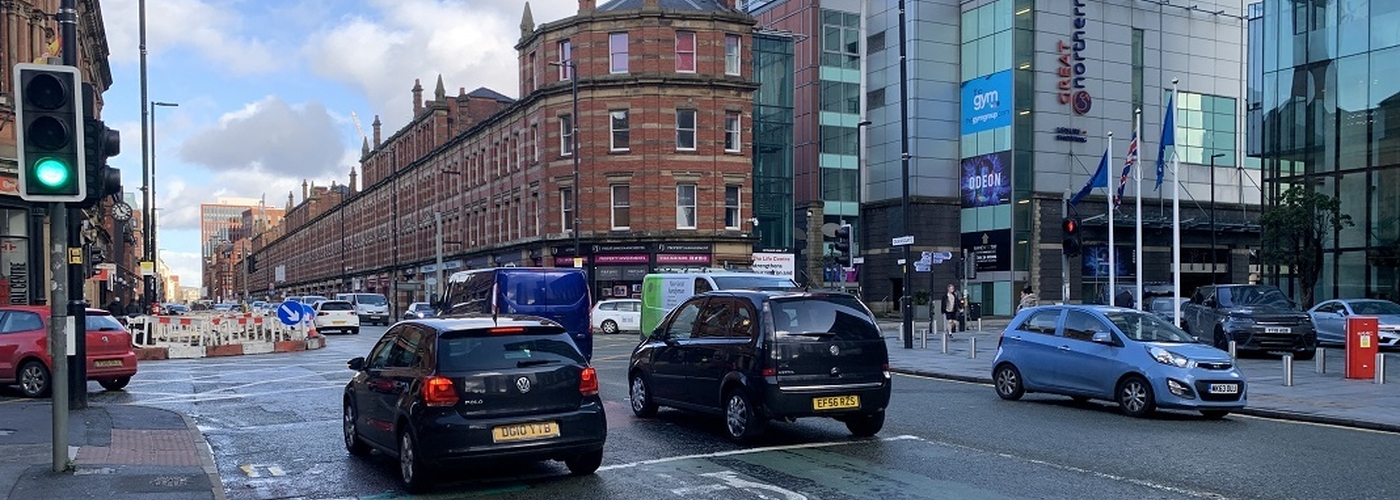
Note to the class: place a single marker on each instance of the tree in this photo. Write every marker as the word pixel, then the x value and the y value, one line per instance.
pixel 1295 230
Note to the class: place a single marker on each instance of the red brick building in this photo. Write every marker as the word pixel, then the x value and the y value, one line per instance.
pixel 666 95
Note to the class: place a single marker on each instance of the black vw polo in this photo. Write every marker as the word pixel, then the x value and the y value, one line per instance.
pixel 442 391
pixel 760 356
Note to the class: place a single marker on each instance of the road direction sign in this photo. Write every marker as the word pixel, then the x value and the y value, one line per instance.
pixel 943 256
pixel 902 241
pixel 291 313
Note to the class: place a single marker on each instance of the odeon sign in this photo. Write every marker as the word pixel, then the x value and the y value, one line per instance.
pixel 1071 72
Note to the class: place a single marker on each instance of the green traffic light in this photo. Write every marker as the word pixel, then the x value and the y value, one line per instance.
pixel 51 172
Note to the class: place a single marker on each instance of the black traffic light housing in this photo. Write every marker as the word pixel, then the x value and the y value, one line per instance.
pixel 252 262
pixel 100 143
pixel 49 132
pixel 843 245
pixel 1073 242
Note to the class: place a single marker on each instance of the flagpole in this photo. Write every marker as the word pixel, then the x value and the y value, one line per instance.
pixel 1176 219
pixel 1112 262
pixel 1137 132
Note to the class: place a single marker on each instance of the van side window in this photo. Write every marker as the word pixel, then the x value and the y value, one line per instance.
pixel 702 285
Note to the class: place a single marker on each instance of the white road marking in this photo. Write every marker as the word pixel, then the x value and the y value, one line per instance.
pixel 699 490
pixel 200 397
pixel 252 470
pixel 925 377
pixel 732 479
pixel 747 451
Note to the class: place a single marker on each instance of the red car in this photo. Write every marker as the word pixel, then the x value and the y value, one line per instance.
pixel 24 354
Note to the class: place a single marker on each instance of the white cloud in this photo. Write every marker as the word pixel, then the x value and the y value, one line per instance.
pixel 186 265
pixel 270 136
pixel 178 201
pixel 469 43
pixel 214 31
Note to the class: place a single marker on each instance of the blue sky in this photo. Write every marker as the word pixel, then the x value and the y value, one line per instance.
pixel 266 89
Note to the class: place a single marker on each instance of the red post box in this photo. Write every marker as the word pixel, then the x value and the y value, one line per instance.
pixel 1363 336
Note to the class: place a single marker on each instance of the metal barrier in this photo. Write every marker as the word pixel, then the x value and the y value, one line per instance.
pixel 923 338
pixel 205 330
pixel 1232 349
pixel 1380 368
pixel 972 346
pixel 1321 357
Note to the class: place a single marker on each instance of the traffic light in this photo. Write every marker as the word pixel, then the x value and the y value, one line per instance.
pixel 49 132
pixel 1072 243
pixel 843 245
pixel 252 263
pixel 100 143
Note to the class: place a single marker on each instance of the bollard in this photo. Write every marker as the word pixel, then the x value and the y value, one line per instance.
pixel 923 338
pixel 1232 349
pixel 945 343
pixel 1288 370
pixel 972 346
pixel 979 324
pixel 1380 368
pixel 1321 358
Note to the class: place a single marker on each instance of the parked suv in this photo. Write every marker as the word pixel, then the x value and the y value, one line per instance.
pixel 758 356
pixel 447 391
pixel 1256 317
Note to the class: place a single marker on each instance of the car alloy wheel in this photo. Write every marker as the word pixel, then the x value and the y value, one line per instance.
pixel 352 434
pixel 34 380
pixel 741 418
pixel 1135 397
pixel 609 327
pixel 1008 383
pixel 642 405
pixel 411 470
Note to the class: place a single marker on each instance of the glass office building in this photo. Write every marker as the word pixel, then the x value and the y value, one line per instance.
pixel 1324 111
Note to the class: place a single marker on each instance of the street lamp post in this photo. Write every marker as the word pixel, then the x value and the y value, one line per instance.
pixel 1213 272
pixel 152 294
pixel 905 303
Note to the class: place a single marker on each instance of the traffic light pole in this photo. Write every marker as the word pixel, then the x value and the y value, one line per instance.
pixel 77 306
pixel 58 332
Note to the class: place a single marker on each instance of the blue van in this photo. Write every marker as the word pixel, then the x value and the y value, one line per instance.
pixel 556 293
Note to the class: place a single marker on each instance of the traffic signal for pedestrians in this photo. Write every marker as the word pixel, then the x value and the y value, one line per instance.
pixel 49 129
pixel 1072 243
pixel 100 143
pixel 843 245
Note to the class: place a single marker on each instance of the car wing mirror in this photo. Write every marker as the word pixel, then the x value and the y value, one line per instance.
pixel 357 364
pixel 1103 338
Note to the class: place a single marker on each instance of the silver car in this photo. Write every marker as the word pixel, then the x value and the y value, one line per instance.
pixel 1330 319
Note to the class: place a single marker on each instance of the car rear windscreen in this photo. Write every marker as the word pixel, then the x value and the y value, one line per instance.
pixel 842 316
pixel 479 350
pixel 543 288
pixel 102 323
pixel 334 305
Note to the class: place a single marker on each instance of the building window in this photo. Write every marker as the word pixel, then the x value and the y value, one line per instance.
pixel 875 43
pixel 621 208
pixel 838 140
pixel 617 52
pixel 875 98
pixel 731 207
pixel 840 97
pixel 530 73
pixel 534 143
pixel 566 56
pixel 566 135
pixel 1205 125
pixel 566 207
pixel 685 206
pixel 840 39
pixel 731 132
pixel 621 138
pixel 731 55
pixel 685 129
pixel 685 51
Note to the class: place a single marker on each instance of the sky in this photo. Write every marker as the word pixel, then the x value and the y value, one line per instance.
pixel 268 91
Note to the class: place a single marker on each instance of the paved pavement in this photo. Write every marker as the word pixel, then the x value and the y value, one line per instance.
pixel 1327 398
pixel 116 452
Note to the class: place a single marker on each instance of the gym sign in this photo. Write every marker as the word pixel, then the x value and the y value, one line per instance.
pixel 1072 68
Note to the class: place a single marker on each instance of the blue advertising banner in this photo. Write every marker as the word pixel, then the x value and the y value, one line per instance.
pixel 986 102
pixel 986 180
pixel 1096 261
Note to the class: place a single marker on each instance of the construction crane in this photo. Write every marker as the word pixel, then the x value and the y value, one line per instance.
pixel 358 128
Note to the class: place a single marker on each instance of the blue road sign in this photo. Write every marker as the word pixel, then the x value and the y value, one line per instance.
pixel 307 312
pixel 291 313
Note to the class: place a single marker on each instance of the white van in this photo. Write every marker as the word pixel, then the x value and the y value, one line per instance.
pixel 663 291
pixel 370 307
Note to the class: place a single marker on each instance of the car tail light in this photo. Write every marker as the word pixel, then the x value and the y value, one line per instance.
pixel 352 313
pixel 588 382
pixel 323 313
pixel 770 372
pixel 439 391
pixel 886 369
pixel 505 331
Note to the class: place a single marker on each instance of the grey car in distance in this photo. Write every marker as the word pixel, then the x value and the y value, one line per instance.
pixel 1330 319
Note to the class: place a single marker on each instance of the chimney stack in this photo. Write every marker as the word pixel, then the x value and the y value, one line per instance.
pixel 376 126
pixel 587 6
pixel 417 97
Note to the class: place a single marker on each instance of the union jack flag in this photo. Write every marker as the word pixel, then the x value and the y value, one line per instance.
pixel 1127 169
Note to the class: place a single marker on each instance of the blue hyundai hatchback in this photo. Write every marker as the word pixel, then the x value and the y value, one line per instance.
pixel 1123 355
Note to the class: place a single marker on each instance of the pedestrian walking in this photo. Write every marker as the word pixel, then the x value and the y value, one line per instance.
pixel 1028 299
pixel 951 309
pixel 116 308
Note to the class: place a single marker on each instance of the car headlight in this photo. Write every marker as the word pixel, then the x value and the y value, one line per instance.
pixel 1241 320
pixel 1166 357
